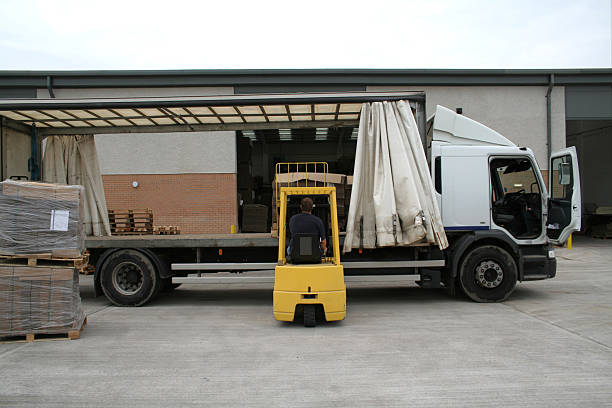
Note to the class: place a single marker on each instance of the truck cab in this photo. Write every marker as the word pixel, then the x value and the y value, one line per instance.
pixel 493 192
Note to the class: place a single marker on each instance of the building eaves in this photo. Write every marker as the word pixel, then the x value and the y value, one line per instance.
pixel 276 77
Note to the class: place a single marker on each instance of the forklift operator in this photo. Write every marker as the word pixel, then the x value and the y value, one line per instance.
pixel 306 223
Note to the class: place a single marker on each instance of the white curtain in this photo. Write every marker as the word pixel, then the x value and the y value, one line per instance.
pixel 392 203
pixel 74 160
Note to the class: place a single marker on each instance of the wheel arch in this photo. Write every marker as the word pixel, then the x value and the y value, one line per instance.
pixel 467 242
pixel 162 268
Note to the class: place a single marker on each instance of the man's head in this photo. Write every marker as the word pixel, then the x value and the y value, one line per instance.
pixel 306 205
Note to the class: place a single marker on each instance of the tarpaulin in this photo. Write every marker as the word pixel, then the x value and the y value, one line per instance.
pixel 393 201
pixel 74 160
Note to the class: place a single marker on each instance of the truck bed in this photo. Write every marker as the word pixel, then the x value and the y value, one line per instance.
pixel 183 241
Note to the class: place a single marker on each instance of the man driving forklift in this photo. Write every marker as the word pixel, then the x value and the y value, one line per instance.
pixel 307 281
pixel 306 223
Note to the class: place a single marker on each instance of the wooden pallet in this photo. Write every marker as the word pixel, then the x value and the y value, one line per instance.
pixel 39 335
pixel 45 260
pixel 166 230
pixel 131 222
pixel 88 270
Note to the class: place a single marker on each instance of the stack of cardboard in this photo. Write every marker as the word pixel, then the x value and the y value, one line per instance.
pixel 40 221
pixel 41 218
pixel 254 218
pixel 39 300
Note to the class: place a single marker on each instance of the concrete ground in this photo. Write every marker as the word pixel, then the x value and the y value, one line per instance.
pixel 550 344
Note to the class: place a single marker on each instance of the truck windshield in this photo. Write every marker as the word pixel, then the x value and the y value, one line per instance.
pixel 516 199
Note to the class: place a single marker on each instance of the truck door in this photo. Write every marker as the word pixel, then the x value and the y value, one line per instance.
pixel 564 203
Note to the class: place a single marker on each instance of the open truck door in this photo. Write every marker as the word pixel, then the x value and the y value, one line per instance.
pixel 564 202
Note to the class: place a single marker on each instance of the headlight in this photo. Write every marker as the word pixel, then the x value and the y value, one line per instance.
pixel 551 253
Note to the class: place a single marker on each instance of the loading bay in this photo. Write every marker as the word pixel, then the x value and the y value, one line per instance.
pixel 218 345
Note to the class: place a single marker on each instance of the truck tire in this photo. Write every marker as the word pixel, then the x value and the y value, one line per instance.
pixel 310 316
pixel 488 274
pixel 129 278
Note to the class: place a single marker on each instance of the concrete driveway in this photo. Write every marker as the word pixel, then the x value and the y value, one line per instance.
pixel 550 344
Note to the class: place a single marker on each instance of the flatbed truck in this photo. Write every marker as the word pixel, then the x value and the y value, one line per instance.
pixel 499 219
pixel 498 216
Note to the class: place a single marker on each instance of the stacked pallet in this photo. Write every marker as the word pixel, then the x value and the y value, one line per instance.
pixel 41 253
pixel 131 222
pixel 166 230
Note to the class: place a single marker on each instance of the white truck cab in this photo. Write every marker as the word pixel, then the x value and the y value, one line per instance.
pixel 492 195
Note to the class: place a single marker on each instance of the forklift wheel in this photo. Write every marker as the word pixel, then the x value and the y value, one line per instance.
pixel 310 316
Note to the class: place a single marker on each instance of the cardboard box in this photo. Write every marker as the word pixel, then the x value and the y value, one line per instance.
pixel 39 300
pixel 41 218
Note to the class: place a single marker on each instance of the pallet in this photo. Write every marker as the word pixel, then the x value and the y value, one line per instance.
pixel 132 231
pixel 88 270
pixel 166 230
pixel 39 335
pixel 45 260
pixel 131 222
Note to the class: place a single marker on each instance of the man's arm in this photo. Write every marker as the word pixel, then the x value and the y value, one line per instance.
pixel 324 246
pixel 322 236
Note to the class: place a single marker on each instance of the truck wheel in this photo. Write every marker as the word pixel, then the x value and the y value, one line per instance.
pixel 128 278
pixel 488 274
pixel 310 316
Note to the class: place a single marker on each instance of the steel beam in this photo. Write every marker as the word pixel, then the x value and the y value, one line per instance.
pixel 239 279
pixel 104 130
pixel 270 266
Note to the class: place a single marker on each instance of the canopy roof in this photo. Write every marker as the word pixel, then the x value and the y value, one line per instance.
pixel 225 112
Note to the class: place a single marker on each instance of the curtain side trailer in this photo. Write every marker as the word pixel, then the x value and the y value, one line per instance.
pixel 497 213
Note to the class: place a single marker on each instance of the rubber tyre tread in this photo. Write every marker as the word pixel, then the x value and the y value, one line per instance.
pixel 310 316
pixel 151 281
pixel 467 270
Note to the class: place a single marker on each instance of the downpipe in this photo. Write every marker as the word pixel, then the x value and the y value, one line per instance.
pixel 551 84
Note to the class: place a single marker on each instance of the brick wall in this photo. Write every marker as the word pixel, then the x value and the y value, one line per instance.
pixel 198 203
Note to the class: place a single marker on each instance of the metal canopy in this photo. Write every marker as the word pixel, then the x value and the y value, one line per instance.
pixel 178 114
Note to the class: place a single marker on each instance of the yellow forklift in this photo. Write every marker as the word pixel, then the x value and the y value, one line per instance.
pixel 307 279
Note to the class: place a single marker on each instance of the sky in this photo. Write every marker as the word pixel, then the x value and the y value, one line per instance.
pixel 177 34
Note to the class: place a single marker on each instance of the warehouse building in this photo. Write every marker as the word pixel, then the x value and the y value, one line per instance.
pixel 198 180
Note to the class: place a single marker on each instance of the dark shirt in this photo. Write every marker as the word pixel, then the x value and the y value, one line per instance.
pixel 304 223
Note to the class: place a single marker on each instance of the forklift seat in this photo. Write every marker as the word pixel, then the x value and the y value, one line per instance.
pixel 305 249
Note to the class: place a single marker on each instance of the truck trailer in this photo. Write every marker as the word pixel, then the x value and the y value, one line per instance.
pixel 498 216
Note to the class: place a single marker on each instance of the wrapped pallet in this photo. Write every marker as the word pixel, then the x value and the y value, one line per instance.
pixel 41 218
pixel 40 299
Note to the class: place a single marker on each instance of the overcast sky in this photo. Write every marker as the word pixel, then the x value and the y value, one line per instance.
pixel 175 34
